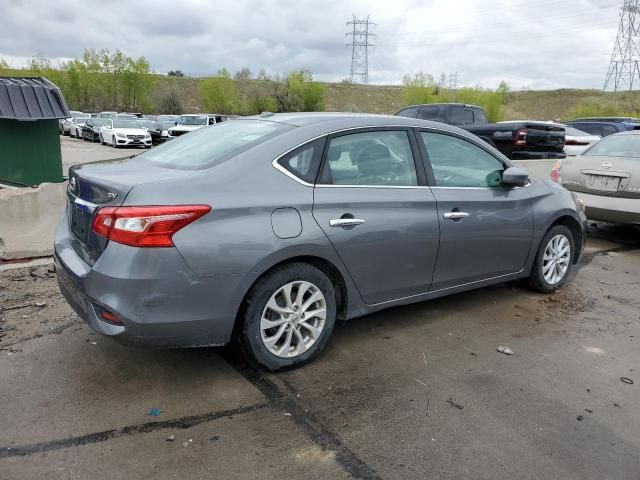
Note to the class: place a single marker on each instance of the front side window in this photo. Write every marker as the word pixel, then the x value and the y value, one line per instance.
pixel 380 158
pixel 608 130
pixel 460 163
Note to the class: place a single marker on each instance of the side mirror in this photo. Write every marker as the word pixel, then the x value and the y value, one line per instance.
pixel 515 177
pixel 176 123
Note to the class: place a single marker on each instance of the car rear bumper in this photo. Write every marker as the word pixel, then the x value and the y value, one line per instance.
pixel 160 301
pixel 611 209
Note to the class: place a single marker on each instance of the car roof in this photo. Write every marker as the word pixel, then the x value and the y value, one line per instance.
pixel 447 104
pixel 333 121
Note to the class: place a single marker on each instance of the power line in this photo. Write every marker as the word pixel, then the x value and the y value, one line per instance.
pixel 360 48
pixel 624 69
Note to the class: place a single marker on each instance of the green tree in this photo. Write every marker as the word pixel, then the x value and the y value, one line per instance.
pixel 219 95
pixel 223 73
pixel 243 74
pixel 299 93
pixel 175 73
pixel 503 90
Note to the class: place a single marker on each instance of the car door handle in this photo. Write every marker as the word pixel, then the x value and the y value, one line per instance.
pixel 455 215
pixel 345 222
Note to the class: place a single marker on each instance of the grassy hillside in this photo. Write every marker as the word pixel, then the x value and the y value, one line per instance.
pixel 545 105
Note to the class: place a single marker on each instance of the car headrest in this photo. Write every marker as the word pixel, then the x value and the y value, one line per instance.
pixel 373 159
pixel 335 152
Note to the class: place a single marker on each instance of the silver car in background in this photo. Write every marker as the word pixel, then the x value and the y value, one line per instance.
pixel 606 177
pixel 268 229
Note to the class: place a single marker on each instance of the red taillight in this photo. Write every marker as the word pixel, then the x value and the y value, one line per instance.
pixel 556 172
pixel 520 138
pixel 145 226
pixel 576 143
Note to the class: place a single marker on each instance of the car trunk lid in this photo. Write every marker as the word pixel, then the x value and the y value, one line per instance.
pixel 96 185
pixel 542 137
pixel 602 175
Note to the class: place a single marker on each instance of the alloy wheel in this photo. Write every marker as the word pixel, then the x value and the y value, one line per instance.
pixel 293 319
pixel 556 260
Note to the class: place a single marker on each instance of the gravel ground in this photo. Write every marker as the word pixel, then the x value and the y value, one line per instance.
pixel 412 392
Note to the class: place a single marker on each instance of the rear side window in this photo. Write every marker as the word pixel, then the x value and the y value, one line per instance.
pixel 459 163
pixel 203 147
pixel 461 116
pixel 431 113
pixel 304 161
pixel 380 158
pixel 410 112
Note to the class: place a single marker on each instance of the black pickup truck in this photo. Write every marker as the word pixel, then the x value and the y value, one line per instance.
pixel 517 140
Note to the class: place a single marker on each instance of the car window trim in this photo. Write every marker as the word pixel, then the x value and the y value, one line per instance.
pixel 299 149
pixel 277 166
pixel 420 176
pixel 427 161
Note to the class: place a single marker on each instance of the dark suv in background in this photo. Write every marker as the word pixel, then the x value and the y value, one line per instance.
pixel 449 113
pixel 605 126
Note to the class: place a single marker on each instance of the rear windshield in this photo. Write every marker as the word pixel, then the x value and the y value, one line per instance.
pixel 204 146
pixel 617 146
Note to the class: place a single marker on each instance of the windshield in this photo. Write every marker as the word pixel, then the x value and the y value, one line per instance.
pixel 204 146
pixel 193 120
pixel 122 123
pixel 81 119
pixel 167 125
pixel 99 122
pixel 147 123
pixel 616 146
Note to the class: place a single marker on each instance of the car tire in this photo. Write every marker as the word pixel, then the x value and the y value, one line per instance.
pixel 101 140
pixel 114 144
pixel 266 304
pixel 554 259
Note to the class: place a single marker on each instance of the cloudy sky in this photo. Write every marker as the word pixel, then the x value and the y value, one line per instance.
pixel 538 45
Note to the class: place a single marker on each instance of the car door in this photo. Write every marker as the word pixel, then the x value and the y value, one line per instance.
pixel 375 208
pixel 486 229
pixel 107 131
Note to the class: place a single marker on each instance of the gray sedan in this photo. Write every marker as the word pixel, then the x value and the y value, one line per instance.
pixel 606 177
pixel 268 229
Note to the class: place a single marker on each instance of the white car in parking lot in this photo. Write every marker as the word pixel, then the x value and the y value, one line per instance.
pixel 190 122
pixel 76 124
pixel 124 132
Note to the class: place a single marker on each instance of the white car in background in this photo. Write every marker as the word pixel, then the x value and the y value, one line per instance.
pixel 190 122
pixel 65 124
pixel 76 124
pixel 124 132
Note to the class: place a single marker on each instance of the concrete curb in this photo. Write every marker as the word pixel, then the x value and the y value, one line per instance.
pixel 28 219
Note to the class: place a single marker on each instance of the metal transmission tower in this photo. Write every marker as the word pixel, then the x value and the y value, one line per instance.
pixel 624 69
pixel 360 48
pixel 453 81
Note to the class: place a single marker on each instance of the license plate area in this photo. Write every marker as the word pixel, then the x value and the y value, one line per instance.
pixel 79 221
pixel 603 183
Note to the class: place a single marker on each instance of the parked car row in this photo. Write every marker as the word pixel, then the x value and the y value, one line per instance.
pixel 108 127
